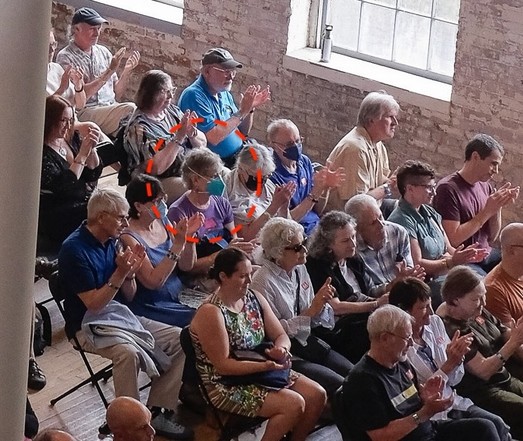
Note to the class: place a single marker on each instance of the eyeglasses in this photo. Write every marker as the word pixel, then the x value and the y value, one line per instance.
pixel 298 247
pixel 67 121
pixel 227 72
pixel 517 246
pixel 167 90
pixel 159 198
pixel 408 340
pixel 429 187
pixel 121 218
pixel 53 46
pixel 291 143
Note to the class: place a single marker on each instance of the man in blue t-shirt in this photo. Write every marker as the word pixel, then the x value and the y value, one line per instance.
pixel 210 97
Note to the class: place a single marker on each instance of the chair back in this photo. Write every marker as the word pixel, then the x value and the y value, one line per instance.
pixel 190 373
pixel 340 416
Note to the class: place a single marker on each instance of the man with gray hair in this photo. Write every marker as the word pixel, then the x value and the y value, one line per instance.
pixel 129 420
pixel 54 435
pixel 101 83
pixel 384 246
pixel 382 399
pixel 210 97
pixel 504 283
pixel 292 165
pixel 362 153
pixel 97 277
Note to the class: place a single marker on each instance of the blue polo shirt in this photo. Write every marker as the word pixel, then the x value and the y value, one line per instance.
pixel 303 180
pixel 84 263
pixel 198 98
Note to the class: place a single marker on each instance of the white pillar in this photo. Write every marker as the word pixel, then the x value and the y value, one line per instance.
pixel 24 39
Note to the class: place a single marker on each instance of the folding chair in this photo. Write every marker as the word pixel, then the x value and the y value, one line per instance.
pixel 94 377
pixel 340 416
pixel 230 425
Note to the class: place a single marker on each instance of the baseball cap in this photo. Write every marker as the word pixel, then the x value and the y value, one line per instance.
pixel 89 16
pixel 222 57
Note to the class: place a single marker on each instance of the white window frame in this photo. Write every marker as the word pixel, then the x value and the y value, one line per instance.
pixel 324 14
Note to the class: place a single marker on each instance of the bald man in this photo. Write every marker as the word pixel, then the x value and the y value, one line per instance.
pixel 129 420
pixel 505 282
pixel 54 435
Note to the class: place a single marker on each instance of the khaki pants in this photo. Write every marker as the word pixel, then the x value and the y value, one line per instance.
pixel 107 117
pixel 126 365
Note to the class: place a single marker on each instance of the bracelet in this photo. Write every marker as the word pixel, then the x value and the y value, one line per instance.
pixel 113 286
pixel 416 418
pixel 500 356
pixel 387 190
pixel 313 198
pixel 79 162
pixel 81 89
pixel 172 256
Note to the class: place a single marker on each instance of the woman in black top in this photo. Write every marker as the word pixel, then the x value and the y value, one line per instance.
pixel 70 171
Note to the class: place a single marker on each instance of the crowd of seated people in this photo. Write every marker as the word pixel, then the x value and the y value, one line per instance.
pixel 300 261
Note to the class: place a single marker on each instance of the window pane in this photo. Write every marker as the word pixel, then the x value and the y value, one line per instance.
pixel 447 10
pixel 423 7
pixel 391 3
pixel 345 17
pixel 442 49
pixel 377 27
pixel 411 40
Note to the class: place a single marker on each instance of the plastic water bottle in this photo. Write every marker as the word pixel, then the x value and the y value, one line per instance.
pixel 326 44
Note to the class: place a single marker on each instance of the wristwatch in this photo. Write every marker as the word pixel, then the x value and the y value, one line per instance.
pixel 388 191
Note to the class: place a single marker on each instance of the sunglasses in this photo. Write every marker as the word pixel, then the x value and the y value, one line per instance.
pixel 298 247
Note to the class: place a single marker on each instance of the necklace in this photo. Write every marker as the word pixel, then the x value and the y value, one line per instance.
pixel 59 147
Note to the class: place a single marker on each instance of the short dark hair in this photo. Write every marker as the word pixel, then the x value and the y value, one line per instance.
pixel 226 261
pixel 54 109
pixel 411 172
pixel 150 85
pixel 459 282
pixel 405 293
pixel 137 191
pixel 484 145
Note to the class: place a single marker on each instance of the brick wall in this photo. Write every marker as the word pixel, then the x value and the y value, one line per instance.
pixel 487 89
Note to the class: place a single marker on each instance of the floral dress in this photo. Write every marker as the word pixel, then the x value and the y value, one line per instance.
pixel 245 330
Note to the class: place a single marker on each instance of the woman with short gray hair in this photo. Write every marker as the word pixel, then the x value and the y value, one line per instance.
pixel 285 283
pixel 254 198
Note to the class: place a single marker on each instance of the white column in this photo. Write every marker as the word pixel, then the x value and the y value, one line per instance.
pixel 24 39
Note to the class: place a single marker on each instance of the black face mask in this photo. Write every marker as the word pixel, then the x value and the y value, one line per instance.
pixel 251 183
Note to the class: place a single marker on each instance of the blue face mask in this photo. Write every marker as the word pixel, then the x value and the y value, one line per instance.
pixel 293 152
pixel 162 208
pixel 216 186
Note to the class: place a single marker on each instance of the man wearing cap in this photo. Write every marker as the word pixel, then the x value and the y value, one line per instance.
pixel 210 97
pixel 102 85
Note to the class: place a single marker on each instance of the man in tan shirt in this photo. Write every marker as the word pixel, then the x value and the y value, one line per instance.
pixel 362 153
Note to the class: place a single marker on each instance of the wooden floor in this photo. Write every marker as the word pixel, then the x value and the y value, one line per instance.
pixel 82 412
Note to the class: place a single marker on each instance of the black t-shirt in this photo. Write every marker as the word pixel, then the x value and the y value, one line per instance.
pixel 488 339
pixel 374 395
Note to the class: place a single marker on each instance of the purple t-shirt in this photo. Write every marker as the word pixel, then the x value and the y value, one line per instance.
pixel 217 214
pixel 457 200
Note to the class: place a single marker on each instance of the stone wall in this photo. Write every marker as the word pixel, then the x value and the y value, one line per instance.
pixel 487 87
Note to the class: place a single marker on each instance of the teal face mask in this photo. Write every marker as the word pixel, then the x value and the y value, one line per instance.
pixel 216 186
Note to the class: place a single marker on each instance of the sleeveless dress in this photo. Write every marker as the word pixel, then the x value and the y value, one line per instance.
pixel 162 304
pixel 245 330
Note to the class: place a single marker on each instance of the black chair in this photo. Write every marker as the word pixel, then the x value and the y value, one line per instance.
pixel 340 416
pixel 230 425
pixel 103 374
